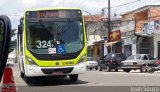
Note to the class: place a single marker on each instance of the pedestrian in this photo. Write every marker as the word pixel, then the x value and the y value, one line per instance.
pixel 98 59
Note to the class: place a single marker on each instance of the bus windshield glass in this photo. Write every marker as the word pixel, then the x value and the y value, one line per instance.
pixel 55 37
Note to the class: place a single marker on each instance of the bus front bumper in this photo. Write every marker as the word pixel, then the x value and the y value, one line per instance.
pixel 51 71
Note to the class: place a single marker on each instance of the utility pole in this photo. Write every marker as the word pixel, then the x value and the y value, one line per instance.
pixel 109 23
pixel 109 19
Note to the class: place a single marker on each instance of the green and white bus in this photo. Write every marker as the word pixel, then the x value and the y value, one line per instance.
pixel 52 42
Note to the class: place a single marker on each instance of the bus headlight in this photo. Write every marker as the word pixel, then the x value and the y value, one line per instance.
pixel 31 62
pixel 82 59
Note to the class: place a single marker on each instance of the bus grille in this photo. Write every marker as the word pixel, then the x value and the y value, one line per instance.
pixel 50 71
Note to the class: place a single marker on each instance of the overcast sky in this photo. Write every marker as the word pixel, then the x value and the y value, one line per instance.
pixel 15 8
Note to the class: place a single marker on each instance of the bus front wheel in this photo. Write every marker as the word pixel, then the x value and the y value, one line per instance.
pixel 73 78
pixel 22 74
pixel 28 79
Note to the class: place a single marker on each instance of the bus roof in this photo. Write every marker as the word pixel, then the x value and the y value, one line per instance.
pixel 36 9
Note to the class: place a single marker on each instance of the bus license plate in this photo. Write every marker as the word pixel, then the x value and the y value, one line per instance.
pixel 57 73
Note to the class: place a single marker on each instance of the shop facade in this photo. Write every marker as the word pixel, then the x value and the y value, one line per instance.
pixel 145 23
pixel 129 43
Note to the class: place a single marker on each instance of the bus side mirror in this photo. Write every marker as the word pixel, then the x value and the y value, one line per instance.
pixel 5 37
pixel 19 29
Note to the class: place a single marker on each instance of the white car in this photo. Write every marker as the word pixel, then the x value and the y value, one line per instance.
pixel 12 57
pixel 91 64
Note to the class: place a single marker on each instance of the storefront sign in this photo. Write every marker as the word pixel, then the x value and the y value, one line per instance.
pixel 140 25
pixel 157 26
pixel 150 28
pixel 114 36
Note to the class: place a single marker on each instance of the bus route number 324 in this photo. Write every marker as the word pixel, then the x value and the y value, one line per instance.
pixel 43 44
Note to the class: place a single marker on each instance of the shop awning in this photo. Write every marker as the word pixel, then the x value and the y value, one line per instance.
pixel 90 44
pixel 111 43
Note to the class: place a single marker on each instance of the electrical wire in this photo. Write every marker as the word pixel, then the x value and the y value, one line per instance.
pixel 126 4
pixel 120 5
pixel 123 4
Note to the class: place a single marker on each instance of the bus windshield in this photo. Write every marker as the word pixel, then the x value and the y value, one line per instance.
pixel 55 37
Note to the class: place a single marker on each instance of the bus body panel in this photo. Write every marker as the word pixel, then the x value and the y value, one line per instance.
pixel 37 71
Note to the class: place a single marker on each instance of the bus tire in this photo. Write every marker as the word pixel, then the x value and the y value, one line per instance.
pixel 73 78
pixel 143 69
pixel 96 68
pixel 27 79
pixel 128 70
pixel 124 70
pixel 108 69
pixel 100 69
pixel 116 70
pixel 22 74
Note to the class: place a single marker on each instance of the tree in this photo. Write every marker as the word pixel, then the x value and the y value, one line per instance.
pixel 13 43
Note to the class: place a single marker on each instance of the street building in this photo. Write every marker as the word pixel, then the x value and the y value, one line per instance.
pixel 95 33
pixel 140 30
pixel 136 32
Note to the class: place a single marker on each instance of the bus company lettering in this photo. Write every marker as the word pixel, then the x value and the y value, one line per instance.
pixel 67 63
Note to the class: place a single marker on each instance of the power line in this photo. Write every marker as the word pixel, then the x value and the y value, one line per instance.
pixel 103 9
pixel 118 5
pixel 123 4
pixel 126 4
pixel 86 11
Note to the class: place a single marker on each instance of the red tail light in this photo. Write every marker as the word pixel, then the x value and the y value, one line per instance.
pixel 110 62
pixel 158 62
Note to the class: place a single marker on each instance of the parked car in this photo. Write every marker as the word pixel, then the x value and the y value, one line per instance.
pixel 12 57
pixel 91 64
pixel 139 61
pixel 111 61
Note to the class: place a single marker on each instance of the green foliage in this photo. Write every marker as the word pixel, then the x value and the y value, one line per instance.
pixel 13 44
pixel 1 37
pixel 13 32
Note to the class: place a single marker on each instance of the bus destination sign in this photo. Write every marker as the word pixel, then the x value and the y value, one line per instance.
pixel 53 14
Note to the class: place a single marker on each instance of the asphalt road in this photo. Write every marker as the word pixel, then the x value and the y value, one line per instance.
pixel 91 80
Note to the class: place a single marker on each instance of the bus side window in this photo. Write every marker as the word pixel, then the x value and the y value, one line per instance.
pixel 20 37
